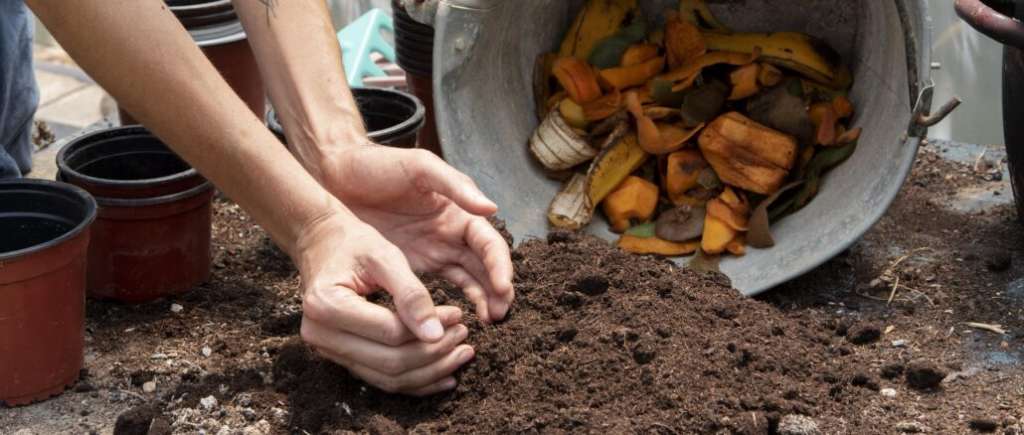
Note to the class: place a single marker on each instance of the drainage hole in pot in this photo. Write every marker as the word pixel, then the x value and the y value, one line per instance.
pixel 25 230
pixel 135 166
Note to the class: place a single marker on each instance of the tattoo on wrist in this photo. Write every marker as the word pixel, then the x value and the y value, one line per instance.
pixel 271 5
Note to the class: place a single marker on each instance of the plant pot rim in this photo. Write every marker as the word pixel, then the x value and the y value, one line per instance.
pixel 116 133
pixel 415 121
pixel 203 187
pixel 52 188
pixel 218 34
pixel 210 22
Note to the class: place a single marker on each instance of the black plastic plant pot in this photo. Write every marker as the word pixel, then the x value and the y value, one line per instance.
pixel 44 236
pixel 392 117
pixel 152 236
pixel 125 162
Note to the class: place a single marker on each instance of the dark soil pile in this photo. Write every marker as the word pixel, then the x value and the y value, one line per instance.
pixel 601 340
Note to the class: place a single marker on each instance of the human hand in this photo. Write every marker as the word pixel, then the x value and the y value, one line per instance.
pixel 433 213
pixel 413 351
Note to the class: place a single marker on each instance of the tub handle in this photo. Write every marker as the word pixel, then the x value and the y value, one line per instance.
pixel 922 116
pixel 928 120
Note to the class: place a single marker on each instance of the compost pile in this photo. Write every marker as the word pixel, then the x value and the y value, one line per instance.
pixel 688 135
pixel 603 340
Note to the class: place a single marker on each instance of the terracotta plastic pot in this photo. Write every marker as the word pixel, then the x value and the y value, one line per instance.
pixel 392 117
pixel 993 22
pixel 45 233
pixel 216 29
pixel 152 237
pixel 414 49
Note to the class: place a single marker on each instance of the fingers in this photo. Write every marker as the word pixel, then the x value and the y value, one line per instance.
pixel 490 248
pixel 415 307
pixel 472 288
pixel 423 380
pixel 392 360
pixel 434 175
pixel 437 387
pixel 343 310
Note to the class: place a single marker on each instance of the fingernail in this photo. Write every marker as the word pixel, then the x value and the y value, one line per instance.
pixel 448 383
pixel 432 329
pixel 465 355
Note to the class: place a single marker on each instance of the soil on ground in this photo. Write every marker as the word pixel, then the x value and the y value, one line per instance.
pixel 897 334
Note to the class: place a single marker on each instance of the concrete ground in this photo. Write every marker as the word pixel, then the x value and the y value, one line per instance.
pixel 69 101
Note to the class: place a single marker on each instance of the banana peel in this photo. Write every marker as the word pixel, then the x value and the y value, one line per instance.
pixel 804 54
pixel 597 20
pixel 683 77
pixel 612 166
pixel 571 209
pixel 557 146
pixel 697 12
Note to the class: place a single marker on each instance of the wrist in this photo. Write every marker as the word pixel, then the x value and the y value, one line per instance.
pixel 322 152
pixel 317 132
pixel 328 224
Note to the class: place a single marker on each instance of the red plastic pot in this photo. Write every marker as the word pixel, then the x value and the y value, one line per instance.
pixel 144 246
pixel 216 29
pixel 45 227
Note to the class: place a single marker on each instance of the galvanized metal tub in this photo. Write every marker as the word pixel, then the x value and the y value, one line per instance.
pixel 483 59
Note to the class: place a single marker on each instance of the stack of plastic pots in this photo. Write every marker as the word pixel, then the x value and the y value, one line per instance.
pixel 45 233
pixel 414 49
pixel 152 235
pixel 216 29
pixel 392 117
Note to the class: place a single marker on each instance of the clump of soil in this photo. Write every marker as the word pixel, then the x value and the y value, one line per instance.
pixel 924 375
pixel 142 420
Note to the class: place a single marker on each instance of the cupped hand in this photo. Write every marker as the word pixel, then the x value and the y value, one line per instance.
pixel 435 214
pixel 414 351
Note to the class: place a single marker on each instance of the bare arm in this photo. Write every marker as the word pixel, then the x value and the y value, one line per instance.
pixel 139 52
pixel 300 62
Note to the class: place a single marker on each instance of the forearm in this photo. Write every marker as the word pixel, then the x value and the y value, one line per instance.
pixel 137 51
pixel 300 61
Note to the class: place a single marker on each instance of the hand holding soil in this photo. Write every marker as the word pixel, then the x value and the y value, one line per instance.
pixel 421 216
pixel 433 213
pixel 412 351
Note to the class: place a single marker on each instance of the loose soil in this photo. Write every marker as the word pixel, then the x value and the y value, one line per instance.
pixel 602 341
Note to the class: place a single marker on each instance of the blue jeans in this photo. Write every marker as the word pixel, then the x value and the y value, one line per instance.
pixel 18 93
